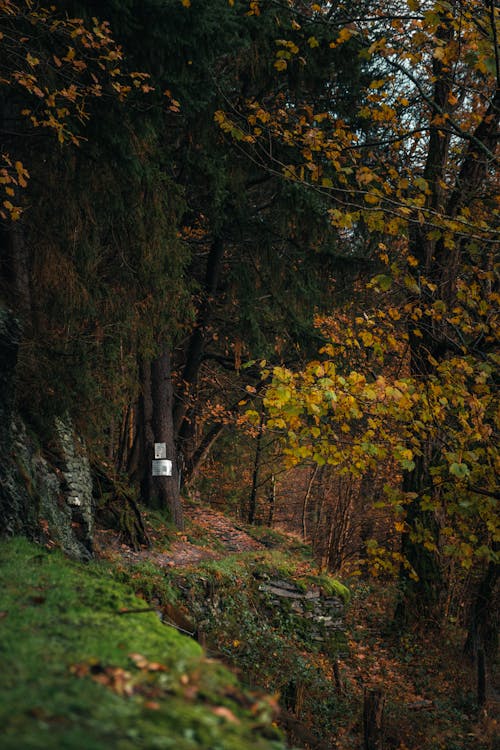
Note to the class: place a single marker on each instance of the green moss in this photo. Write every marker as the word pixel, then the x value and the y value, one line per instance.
pixel 330 586
pixel 147 579
pixel 68 680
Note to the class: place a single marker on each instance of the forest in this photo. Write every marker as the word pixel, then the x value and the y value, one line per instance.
pixel 248 374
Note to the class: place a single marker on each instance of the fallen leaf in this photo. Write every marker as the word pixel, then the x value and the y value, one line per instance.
pixel 139 660
pixel 225 713
pixel 152 705
pixel 155 666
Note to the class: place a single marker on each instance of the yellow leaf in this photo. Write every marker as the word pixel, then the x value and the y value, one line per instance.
pixel 345 35
pixel 377 84
pixel 186 3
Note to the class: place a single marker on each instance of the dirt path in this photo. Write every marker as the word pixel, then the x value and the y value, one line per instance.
pixel 227 531
pixel 181 553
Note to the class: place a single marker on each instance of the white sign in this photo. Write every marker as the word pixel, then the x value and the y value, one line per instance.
pixel 160 450
pixel 162 468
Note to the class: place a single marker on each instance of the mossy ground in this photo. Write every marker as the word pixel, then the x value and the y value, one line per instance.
pixel 69 681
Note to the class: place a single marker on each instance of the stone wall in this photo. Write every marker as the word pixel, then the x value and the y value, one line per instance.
pixel 305 609
pixel 315 615
pixel 320 614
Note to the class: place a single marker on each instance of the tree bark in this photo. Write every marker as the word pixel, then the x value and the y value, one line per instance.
pixel 183 415
pixel 481 678
pixel 272 502
pixel 483 623
pixel 305 502
pixel 145 439
pixel 373 714
pixel 252 506
pixel 419 596
pixel 166 490
pixel 155 425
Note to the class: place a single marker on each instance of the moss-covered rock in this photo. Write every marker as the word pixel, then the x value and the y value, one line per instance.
pixel 88 665
pixel 38 497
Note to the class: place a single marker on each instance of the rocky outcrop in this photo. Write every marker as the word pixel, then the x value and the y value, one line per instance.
pixel 60 489
pixel 41 498
pixel 17 514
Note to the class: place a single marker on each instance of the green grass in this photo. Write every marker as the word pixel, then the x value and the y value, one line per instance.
pixel 62 636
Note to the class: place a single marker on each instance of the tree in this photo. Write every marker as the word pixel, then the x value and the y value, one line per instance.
pixel 421 181
pixel 245 232
pixel 89 270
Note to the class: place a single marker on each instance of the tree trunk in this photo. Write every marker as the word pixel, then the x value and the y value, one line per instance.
pixel 483 623
pixel 420 586
pixel 272 502
pixel 166 489
pixel 145 437
pixel 481 678
pixel 183 415
pixel 440 265
pixel 155 425
pixel 373 714
pixel 419 591
pixel 252 506
pixel 305 503
pixel 195 460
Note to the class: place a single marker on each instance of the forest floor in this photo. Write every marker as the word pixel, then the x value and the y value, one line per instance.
pixel 428 686
pixel 219 535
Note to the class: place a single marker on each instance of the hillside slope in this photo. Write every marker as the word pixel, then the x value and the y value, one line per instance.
pixel 86 664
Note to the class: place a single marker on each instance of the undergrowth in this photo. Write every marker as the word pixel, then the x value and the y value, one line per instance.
pixel 429 690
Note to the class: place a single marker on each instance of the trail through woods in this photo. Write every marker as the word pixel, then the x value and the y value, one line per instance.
pixel 227 535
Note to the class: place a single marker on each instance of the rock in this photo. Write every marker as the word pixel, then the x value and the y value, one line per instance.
pixel 38 500
pixel 64 516
pixel 17 513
